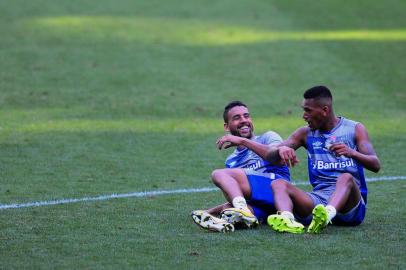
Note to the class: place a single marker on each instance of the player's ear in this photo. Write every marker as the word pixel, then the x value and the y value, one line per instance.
pixel 226 128
pixel 326 110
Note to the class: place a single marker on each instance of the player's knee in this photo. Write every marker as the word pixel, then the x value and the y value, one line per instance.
pixel 346 180
pixel 279 184
pixel 216 176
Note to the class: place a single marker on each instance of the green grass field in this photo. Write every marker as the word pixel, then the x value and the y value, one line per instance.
pixel 103 97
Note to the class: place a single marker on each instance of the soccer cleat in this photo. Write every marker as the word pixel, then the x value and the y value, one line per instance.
pixel 210 222
pixel 281 223
pixel 239 218
pixel 320 219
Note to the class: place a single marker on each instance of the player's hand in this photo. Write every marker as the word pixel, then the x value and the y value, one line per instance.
pixel 288 156
pixel 228 141
pixel 341 149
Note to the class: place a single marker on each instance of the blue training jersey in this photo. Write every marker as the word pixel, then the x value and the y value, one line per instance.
pixel 254 164
pixel 324 166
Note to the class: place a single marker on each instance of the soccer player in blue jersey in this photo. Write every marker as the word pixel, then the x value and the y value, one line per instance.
pixel 338 150
pixel 246 179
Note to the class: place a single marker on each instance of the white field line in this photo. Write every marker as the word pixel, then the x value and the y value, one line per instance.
pixel 154 193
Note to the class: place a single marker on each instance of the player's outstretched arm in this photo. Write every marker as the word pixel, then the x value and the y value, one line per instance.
pixel 227 141
pixel 284 153
pixel 365 154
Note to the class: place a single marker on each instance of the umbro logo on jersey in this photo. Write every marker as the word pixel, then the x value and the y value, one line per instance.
pixel 317 145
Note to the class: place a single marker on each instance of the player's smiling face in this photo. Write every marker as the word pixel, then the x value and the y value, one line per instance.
pixel 313 113
pixel 239 122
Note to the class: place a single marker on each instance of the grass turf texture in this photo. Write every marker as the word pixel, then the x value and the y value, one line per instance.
pixel 116 97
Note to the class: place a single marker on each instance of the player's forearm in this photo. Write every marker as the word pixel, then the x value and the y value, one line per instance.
pixel 272 155
pixel 258 148
pixel 370 162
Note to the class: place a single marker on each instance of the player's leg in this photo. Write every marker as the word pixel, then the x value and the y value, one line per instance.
pixel 353 217
pixel 288 200
pixel 216 210
pixel 236 188
pixel 347 194
pixel 261 201
pixel 233 183
pixel 345 198
pixel 209 219
pixel 240 218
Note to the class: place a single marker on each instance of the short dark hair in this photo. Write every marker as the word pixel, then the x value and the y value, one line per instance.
pixel 229 106
pixel 318 92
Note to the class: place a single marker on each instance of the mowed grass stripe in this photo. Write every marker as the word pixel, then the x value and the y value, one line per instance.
pixel 190 32
pixel 39 124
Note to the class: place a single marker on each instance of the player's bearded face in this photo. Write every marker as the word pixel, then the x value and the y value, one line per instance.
pixel 239 122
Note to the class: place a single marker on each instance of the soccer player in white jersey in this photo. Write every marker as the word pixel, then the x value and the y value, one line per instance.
pixel 338 150
pixel 246 179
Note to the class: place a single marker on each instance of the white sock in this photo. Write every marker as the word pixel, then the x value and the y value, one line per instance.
pixel 240 203
pixel 331 211
pixel 288 215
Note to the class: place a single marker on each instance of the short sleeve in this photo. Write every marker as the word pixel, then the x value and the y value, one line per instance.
pixel 271 138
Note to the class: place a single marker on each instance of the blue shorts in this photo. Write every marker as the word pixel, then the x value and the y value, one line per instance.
pixel 352 218
pixel 262 200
